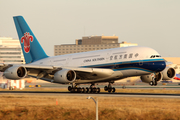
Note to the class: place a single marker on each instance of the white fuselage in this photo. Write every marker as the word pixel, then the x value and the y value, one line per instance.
pixel 127 61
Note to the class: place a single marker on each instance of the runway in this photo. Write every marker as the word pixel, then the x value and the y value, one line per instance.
pixel 169 86
pixel 119 94
pixel 138 85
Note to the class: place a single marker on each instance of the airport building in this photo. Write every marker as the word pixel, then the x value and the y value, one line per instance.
pixel 90 43
pixel 10 51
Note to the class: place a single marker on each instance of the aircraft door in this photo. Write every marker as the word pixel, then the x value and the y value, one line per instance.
pixel 140 60
pixel 68 60
pixel 107 57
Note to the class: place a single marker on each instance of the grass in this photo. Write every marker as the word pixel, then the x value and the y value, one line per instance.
pixel 45 107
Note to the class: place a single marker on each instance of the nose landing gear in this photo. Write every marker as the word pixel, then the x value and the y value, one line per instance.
pixel 153 82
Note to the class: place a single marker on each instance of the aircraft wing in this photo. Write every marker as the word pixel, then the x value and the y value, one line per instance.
pixel 177 77
pixel 3 66
pixel 48 71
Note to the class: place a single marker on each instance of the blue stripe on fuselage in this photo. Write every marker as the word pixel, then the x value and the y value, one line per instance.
pixel 131 68
pixel 150 65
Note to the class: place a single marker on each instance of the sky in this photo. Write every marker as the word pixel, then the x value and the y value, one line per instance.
pixel 151 23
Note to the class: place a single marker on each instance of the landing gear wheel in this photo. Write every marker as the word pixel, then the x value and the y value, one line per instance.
pixel 151 83
pixel 79 90
pixel 73 90
pixel 109 90
pixel 94 90
pixel 83 90
pixel 113 90
pixel 105 88
pixel 87 90
pixel 155 83
pixel 69 88
pixel 98 90
pixel 91 90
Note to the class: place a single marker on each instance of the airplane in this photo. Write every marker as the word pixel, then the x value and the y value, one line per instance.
pixel 90 67
pixel 177 77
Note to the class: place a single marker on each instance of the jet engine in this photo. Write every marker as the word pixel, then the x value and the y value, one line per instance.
pixel 64 76
pixel 149 78
pixel 168 73
pixel 15 72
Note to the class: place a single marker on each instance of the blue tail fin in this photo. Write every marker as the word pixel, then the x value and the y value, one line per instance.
pixel 31 48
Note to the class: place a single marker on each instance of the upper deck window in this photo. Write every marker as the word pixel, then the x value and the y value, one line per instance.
pixel 130 55
pixel 125 56
pixel 136 55
pixel 120 56
pixel 158 56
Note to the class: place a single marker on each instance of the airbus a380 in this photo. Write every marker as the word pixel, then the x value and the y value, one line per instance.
pixel 91 67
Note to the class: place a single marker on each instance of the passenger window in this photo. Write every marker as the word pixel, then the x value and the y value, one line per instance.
pixel 153 56
pixel 111 57
pixel 136 54
pixel 125 56
pixel 115 57
pixel 130 55
pixel 120 56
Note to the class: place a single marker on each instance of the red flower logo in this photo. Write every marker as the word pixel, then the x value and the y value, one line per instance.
pixel 26 39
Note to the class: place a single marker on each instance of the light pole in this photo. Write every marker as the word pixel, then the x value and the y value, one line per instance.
pixel 96 102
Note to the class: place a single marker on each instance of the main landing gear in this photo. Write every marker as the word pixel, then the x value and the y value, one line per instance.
pixel 153 82
pixel 109 88
pixel 91 89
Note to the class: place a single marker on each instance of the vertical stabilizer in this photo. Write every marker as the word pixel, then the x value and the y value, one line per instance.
pixel 31 48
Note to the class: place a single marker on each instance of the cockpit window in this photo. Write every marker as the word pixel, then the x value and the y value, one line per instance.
pixel 155 56
pixel 158 56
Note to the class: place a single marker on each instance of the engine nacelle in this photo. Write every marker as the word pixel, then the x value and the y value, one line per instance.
pixel 149 78
pixel 15 72
pixel 168 73
pixel 65 76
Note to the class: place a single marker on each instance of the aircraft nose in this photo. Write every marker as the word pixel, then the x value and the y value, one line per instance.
pixel 162 66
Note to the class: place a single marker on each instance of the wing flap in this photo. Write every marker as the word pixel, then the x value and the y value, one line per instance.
pixel 82 73
pixel 99 71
